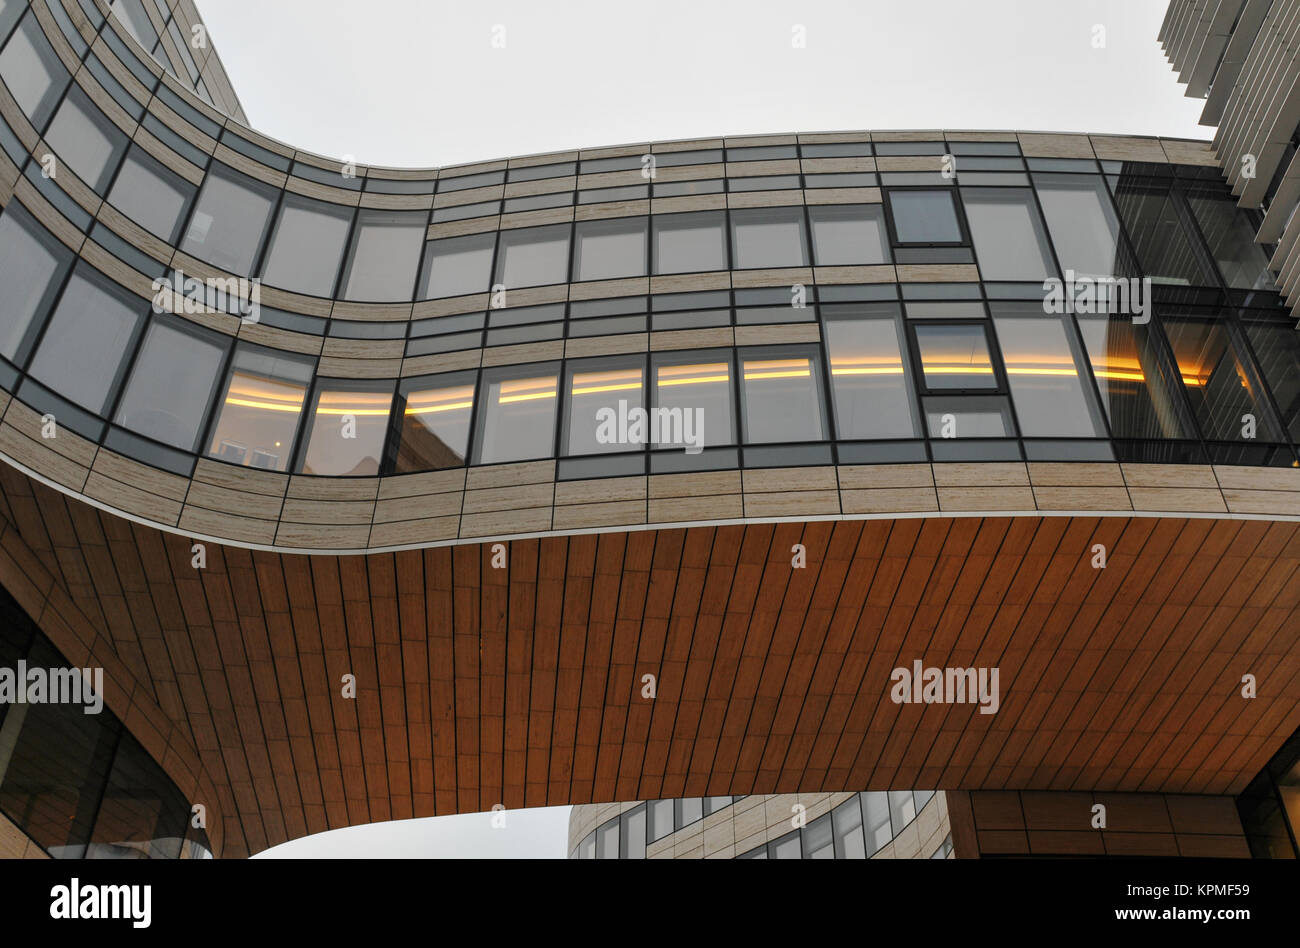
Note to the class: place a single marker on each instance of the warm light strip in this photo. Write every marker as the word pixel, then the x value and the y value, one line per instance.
pixel 664 383
pixel 896 369
pixel 284 398
pixel 378 412
pixel 751 376
pixel 524 385
pixel 777 364
pixel 433 408
pixel 1073 372
pixel 593 389
pixel 533 396
pixel 265 406
pixel 1123 376
pixel 959 369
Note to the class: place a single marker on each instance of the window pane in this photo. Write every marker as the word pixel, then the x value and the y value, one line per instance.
pixel 535 256
pixel 632 829
pixel 153 196
pixel 32 266
pixel 875 813
pixel 847 819
pixel 1218 380
pixel 902 809
pixel 955 356
pixel 661 819
pixel 436 419
pixel 348 425
pixel 1231 237
pixel 606 398
pixel 307 246
pixel 689 810
pixel 609 249
pixel 458 266
pixel 1047 379
pixel 385 255
pixel 587 848
pixel 85 346
pixel 1083 223
pixel 850 235
pixel 171 384
pixel 968 416
pixel 85 140
pixel 607 840
pixel 1008 234
pixel 517 417
pixel 787 847
pixel 701 390
pixel 1278 351
pixel 689 243
pixel 925 217
pixel 32 71
pixel 782 400
pixel 1159 235
pixel 142 814
pixel 1134 389
pixel 133 16
pixel 873 395
pixel 818 843
pixel 229 221
pixel 261 409
pixel 768 237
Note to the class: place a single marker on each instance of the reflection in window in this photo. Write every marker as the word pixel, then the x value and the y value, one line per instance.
pixel 32 265
pixel 517 417
pixel 924 217
pixel 172 383
pixel 1218 381
pixel 849 235
pixel 458 266
pixel 261 408
pixel 689 243
pixel 818 840
pixel 609 249
pixel 32 71
pixel 847 820
pixel 348 424
pixel 143 815
pixel 1134 389
pixel 229 220
pixel 85 140
pixel 153 196
pixel 781 400
pixel 436 417
pixel 601 394
pixel 768 237
pixel 955 356
pixel 1231 237
pixel 875 815
pixel 1159 235
pixel 385 256
pixel 873 395
pixel 1083 224
pixel 661 819
pixel 698 383
pixel 1046 375
pixel 534 256
pixel 969 417
pixel 1008 234
pixel 1277 348
pixel 307 246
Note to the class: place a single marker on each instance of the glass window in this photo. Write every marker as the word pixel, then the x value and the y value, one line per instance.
pixel 849 235
pixel 1220 384
pixel 261 408
pixel 84 349
pixel 818 841
pixel 632 827
pixel 1083 223
pixel 902 809
pixel 153 196
pixel 534 256
pixel 517 416
pixel 436 416
pixel 307 246
pixel 689 243
pixel 605 406
pixel 1156 226
pixel 348 423
pixel 955 356
pixel 782 396
pixel 1231 237
pixel 689 810
pixel 1278 350
pixel 1135 390
pixel 587 848
pixel 714 804
pixel 172 383
pixel 869 378
pixel 847 820
pixel 609 249
pixel 661 819
pixel 1046 375
pixel 385 256
pixel 924 217
pixel 32 71
pixel 142 815
pixel 698 385
pixel 768 237
pixel 135 18
pixel 875 817
pixel 85 140
pixel 969 416
pixel 1008 234
pixel 458 266
pixel 229 220
pixel 607 840
pixel 787 847
pixel 32 266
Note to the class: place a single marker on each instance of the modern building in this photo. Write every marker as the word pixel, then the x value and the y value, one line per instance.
pixel 633 473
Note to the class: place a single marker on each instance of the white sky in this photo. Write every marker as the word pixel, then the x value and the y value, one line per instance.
pixel 417 83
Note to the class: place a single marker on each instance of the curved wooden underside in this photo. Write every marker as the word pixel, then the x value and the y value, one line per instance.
pixel 522 686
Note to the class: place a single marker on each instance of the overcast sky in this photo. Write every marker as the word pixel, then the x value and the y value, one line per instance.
pixel 420 83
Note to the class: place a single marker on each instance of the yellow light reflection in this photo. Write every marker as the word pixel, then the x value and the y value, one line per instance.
pixel 590 383
pixel 439 400
pixel 369 404
pixel 708 373
pixel 527 390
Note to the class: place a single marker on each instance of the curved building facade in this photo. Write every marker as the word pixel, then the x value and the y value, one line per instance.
pixel 632 472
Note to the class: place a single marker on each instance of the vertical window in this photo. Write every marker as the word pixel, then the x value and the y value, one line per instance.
pixel 698 383
pixel 142 814
pixel 818 840
pixel 1219 382
pixel 847 820
pixel 32 266
pixel 1278 350
pixel 661 819
pixel 32 71
pixel 607 840
pixel 1134 386
pixel 609 249
pixel 632 826
pixel 153 196
pixel 136 20
pixel 348 423
pixel 1045 371
pixel 1231 237
pixel 458 266
pixel 534 256
pixel 261 408
pixel 172 383
pixel 1157 226
pixel 1010 242
pixel 307 246
pixel 902 809
pixel 385 256
pixel 875 820
pixel 1083 223
pixel 787 847
pixel 768 237
pixel 849 235
pixel 516 419
pixel 955 356
pixel 689 243
pixel 229 220
pixel 781 396
pixel 689 810
pixel 436 417
pixel 85 140
pixel 924 217
pixel 605 398
pixel 873 395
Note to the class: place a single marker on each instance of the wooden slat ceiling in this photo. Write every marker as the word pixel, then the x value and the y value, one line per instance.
pixel 521 686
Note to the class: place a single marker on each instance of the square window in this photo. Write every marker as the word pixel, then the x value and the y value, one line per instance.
pixel 261 409
pixel 694 391
pixel 172 383
pixel 849 235
pixel 782 396
pixel 85 140
pixel 229 220
pixel 606 398
pixel 385 256
pixel 349 422
pixel 458 266
pixel 154 196
pixel 689 243
pixel 436 416
pixel 516 419
pixel 533 256
pixel 33 263
pixel 307 246
pixel 32 71
pixel 609 249
pixel 768 237
pixel 955 356
pixel 925 217
pixel 969 417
